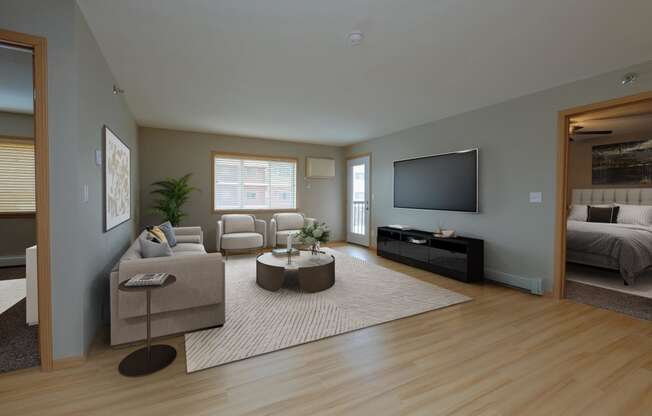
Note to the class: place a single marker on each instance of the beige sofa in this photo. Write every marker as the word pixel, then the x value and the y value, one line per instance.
pixel 194 301
pixel 285 223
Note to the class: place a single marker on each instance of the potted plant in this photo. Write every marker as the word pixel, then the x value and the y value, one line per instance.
pixel 314 235
pixel 172 195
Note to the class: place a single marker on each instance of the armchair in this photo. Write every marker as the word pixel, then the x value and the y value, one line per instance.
pixel 285 223
pixel 240 232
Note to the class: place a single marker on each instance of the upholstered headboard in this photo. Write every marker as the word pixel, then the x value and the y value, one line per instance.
pixel 629 196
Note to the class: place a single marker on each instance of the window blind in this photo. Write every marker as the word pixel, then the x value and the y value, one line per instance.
pixel 250 184
pixel 17 176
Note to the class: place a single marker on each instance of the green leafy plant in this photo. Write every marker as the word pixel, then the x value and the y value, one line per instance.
pixel 172 195
pixel 312 234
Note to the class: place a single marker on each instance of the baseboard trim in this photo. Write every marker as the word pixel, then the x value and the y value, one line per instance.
pixel 12 261
pixel 68 362
pixel 532 285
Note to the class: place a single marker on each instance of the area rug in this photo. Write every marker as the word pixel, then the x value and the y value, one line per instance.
pixel 259 321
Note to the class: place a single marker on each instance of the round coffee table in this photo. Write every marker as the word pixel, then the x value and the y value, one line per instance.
pixel 315 272
pixel 150 358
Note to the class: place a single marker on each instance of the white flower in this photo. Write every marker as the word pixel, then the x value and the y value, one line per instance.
pixel 318 233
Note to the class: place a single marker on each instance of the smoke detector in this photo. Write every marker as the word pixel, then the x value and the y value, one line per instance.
pixel 629 78
pixel 355 38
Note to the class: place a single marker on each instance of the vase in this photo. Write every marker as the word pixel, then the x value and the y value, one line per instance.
pixel 314 249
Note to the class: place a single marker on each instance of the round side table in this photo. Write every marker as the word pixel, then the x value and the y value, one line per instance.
pixel 151 358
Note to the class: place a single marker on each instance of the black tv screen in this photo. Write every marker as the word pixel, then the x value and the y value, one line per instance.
pixel 447 182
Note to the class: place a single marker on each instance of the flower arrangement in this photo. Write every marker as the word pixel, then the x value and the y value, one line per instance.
pixel 313 235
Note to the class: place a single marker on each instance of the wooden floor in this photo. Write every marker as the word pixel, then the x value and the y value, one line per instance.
pixel 504 353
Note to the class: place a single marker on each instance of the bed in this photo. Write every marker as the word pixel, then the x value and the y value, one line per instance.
pixel 625 247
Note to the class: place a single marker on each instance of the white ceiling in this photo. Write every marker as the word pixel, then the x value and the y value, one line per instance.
pixel 16 92
pixel 283 68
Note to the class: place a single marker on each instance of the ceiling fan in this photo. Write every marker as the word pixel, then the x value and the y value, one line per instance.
pixel 575 130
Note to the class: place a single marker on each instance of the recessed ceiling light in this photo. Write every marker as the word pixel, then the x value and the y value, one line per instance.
pixel 355 38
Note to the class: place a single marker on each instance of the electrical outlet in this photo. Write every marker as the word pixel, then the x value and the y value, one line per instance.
pixel 84 193
pixel 98 157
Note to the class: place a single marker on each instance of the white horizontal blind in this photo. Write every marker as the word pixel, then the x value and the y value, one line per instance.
pixel 250 184
pixel 17 176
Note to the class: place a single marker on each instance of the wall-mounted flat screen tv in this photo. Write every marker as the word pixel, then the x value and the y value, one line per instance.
pixel 447 182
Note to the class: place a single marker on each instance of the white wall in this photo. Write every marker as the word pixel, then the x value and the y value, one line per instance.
pixel 518 148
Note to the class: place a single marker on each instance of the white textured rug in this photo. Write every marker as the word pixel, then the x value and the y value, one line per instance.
pixel 11 292
pixel 259 321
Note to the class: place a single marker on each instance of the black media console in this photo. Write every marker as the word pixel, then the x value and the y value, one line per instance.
pixel 458 257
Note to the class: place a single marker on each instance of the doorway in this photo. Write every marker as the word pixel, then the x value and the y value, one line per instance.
pixel 32 203
pixel 591 182
pixel 358 199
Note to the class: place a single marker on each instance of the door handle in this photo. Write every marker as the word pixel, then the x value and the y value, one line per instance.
pixel 366 205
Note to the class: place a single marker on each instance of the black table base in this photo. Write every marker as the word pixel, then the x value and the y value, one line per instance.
pixel 138 363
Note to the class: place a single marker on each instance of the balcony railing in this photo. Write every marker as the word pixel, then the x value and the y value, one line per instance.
pixel 358 217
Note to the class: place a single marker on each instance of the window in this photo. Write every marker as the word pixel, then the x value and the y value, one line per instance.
pixel 17 177
pixel 252 183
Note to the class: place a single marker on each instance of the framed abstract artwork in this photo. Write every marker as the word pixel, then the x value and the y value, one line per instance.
pixel 117 180
pixel 628 163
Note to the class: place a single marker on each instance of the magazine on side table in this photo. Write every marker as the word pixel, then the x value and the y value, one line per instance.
pixel 147 279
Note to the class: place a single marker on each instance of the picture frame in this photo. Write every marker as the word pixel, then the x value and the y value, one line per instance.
pixel 116 169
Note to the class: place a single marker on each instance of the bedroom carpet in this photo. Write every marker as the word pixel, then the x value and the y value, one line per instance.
pixel 259 321
pixel 18 341
pixel 608 279
pixel 636 306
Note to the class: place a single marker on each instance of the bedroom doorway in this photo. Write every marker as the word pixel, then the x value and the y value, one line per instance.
pixel 35 168
pixel 604 205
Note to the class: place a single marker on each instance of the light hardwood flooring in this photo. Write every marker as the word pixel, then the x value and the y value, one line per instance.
pixel 504 353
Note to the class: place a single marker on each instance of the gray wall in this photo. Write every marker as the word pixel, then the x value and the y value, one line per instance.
pixel 174 153
pixel 518 148
pixel 16 125
pixel 79 103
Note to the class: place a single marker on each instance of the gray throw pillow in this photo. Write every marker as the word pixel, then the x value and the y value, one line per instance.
pixel 168 230
pixel 151 249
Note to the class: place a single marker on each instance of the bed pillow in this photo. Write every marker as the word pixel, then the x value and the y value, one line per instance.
pixel 635 214
pixel 602 214
pixel 578 212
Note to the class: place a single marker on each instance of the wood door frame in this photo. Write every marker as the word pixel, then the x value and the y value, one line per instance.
pixel 563 119
pixel 39 47
pixel 346 169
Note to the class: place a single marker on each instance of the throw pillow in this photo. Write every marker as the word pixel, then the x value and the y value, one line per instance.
pixel 151 249
pixel 157 233
pixel 578 212
pixel 168 230
pixel 600 214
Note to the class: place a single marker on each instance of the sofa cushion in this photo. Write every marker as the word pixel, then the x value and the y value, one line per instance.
pixel 152 249
pixel 238 223
pixel 288 221
pixel 239 241
pixel 188 248
pixel 282 236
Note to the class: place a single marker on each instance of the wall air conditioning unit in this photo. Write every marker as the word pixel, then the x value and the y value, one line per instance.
pixel 317 167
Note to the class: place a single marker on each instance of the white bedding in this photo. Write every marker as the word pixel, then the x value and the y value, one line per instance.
pixel 629 246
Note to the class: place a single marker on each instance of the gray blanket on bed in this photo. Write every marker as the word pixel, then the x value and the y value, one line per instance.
pixel 629 245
